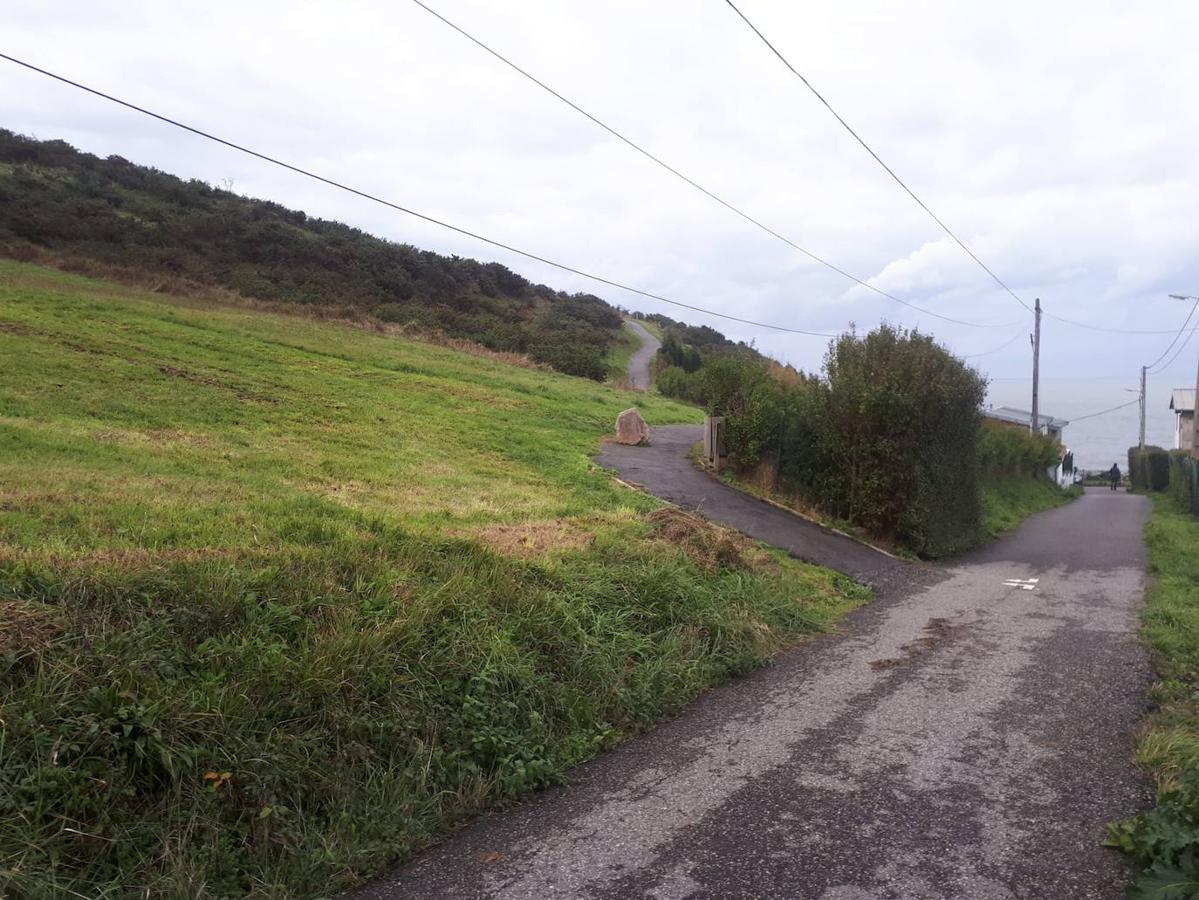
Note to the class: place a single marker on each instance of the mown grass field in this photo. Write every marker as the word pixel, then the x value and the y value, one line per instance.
pixel 1164 842
pixel 280 601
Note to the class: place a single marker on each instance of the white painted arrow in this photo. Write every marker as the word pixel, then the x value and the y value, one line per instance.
pixel 1025 584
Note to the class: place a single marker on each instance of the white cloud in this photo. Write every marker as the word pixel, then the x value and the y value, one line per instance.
pixel 1054 139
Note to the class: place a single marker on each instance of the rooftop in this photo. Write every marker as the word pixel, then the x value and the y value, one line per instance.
pixel 1023 417
pixel 1182 400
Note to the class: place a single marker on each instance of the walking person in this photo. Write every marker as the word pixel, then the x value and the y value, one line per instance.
pixel 1114 474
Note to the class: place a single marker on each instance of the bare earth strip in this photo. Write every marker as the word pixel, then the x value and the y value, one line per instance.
pixel 963 739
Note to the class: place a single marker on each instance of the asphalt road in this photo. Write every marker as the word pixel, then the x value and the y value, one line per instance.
pixel 639 362
pixel 664 470
pixel 962 738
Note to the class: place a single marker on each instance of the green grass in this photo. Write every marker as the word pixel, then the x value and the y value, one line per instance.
pixel 620 353
pixel 282 601
pixel 1010 499
pixel 1164 842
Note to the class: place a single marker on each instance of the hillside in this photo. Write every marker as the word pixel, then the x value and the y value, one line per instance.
pixel 114 211
pixel 281 601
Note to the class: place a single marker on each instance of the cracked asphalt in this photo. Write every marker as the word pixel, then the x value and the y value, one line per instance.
pixel 959 738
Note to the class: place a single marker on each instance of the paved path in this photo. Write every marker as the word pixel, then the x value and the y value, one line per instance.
pixel 961 740
pixel 643 356
pixel 664 470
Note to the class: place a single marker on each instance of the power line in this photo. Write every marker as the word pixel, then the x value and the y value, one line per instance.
pixel 1104 412
pixel 678 174
pixel 1106 329
pixel 1019 334
pixel 427 218
pixel 1178 352
pixel 1186 322
pixel 876 157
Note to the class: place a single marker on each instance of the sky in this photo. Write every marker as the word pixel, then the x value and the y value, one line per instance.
pixel 1057 140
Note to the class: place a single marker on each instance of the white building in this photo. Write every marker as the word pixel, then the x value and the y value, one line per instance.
pixel 1182 401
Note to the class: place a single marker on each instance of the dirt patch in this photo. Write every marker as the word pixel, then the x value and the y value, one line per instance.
pixel 531 540
pixel 936 631
pixel 710 546
pixel 25 630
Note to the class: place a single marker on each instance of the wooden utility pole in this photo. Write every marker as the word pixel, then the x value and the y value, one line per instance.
pixel 1141 443
pixel 1034 424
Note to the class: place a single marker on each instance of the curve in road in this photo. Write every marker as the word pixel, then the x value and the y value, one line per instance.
pixel 643 356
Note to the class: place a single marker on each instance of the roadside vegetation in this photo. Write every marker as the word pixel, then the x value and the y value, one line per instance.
pixel 282 601
pixel 888 438
pixel 1164 842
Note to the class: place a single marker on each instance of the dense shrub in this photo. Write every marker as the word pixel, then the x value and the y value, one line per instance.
pixel 118 213
pixel 1004 450
pixel 1148 468
pixel 889 439
pixel 1184 481
pixel 904 415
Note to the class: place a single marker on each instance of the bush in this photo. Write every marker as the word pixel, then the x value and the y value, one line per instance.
pixel 1184 482
pixel 740 389
pixel 889 440
pixel 1004 450
pixel 1148 468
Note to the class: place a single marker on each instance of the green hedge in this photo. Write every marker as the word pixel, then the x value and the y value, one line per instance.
pixel 1184 481
pixel 1148 468
pixel 1004 450
pixel 888 439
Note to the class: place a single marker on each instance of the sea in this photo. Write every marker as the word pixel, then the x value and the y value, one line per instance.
pixel 1097 441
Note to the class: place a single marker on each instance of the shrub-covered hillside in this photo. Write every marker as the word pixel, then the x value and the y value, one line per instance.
pixel 114 211
pixel 281 601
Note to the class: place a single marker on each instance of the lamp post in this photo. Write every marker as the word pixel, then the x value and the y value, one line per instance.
pixel 1195 402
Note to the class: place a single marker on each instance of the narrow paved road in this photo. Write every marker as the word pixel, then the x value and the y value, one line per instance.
pixel 640 361
pixel 664 470
pixel 963 738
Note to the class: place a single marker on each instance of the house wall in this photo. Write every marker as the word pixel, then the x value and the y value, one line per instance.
pixel 1184 425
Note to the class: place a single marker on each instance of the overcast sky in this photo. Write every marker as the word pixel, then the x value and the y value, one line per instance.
pixel 1059 141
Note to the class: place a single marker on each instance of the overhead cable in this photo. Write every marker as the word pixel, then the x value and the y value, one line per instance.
pixel 419 215
pixel 877 158
pixel 690 181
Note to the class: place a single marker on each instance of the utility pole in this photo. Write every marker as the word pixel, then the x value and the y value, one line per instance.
pixel 1034 425
pixel 1141 444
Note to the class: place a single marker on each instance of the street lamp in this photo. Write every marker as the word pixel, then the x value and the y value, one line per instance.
pixel 1195 402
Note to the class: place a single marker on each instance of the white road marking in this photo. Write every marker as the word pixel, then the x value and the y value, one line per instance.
pixel 1025 584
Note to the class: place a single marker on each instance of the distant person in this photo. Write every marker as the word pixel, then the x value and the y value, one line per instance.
pixel 1114 474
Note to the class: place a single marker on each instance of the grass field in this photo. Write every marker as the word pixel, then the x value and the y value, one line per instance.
pixel 1164 842
pixel 280 601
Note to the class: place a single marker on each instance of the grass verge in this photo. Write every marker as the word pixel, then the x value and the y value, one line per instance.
pixel 282 601
pixel 1164 842
pixel 1009 500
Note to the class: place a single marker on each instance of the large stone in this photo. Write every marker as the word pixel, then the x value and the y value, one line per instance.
pixel 631 428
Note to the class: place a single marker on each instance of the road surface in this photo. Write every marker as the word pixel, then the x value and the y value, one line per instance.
pixel 664 470
pixel 964 737
pixel 643 356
